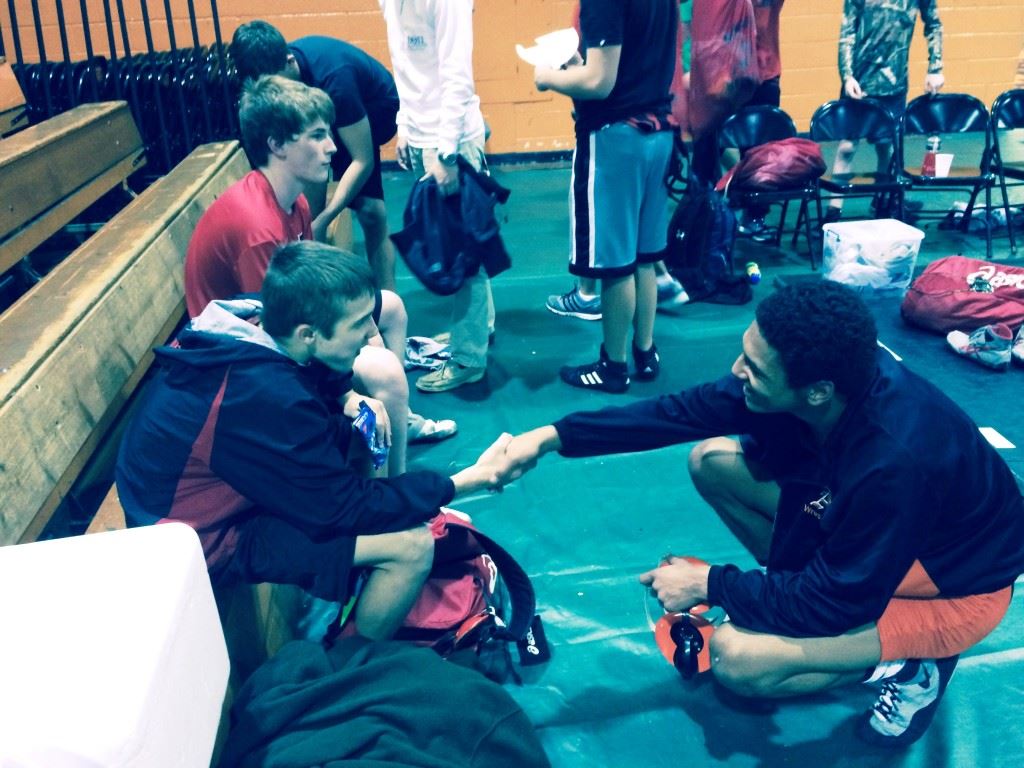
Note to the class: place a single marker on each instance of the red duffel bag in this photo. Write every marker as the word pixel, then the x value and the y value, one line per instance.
pixel 958 293
pixel 775 165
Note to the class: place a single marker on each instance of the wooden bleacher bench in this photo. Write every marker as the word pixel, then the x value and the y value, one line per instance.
pixel 53 171
pixel 74 347
pixel 13 111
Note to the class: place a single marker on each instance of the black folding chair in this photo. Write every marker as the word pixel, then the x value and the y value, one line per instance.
pixel 946 115
pixel 860 120
pixel 1007 157
pixel 751 127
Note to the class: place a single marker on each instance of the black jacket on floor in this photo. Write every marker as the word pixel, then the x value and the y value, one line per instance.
pixel 367 704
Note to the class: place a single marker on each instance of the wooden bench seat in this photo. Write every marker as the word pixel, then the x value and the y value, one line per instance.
pixel 53 171
pixel 74 348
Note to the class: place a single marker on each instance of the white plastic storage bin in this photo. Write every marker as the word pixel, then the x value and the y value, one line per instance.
pixel 111 652
pixel 877 255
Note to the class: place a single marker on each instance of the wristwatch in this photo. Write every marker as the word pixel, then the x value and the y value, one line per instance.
pixel 447 159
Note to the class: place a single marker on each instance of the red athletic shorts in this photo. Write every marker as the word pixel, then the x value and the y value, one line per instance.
pixel 919 624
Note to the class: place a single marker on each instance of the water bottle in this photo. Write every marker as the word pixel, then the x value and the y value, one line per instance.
pixel 932 145
pixel 753 272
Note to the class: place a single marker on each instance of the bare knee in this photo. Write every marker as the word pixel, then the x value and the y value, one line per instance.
pixel 697 462
pixel 392 312
pixel 705 462
pixel 736 663
pixel 413 553
pixel 380 375
pixel 373 215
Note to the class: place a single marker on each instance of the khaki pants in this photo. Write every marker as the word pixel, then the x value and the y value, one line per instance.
pixel 472 318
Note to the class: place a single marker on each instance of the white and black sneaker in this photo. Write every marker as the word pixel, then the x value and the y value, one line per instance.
pixel 907 703
pixel 671 292
pixel 605 375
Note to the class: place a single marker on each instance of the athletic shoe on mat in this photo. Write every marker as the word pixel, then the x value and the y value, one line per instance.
pixel 1017 352
pixel 571 304
pixel 605 375
pixel 905 708
pixel 989 345
pixel 671 292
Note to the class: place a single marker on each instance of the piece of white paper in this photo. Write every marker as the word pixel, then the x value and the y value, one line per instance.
pixel 551 50
pixel 995 438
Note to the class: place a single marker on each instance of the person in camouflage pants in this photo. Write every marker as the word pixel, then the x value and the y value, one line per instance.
pixel 874 44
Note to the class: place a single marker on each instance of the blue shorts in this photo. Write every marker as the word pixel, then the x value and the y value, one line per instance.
pixel 618 201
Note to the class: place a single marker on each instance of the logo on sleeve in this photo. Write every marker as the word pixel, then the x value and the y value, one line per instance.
pixel 817 508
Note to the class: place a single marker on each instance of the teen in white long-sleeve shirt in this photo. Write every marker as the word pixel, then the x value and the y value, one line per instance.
pixel 431 44
pixel 439 119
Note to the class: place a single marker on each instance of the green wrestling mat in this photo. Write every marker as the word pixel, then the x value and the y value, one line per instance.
pixel 585 528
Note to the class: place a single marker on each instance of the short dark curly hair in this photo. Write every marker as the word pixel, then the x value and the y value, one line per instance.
pixel 822 331
pixel 258 48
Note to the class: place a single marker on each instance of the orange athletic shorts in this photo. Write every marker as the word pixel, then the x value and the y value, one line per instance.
pixel 919 624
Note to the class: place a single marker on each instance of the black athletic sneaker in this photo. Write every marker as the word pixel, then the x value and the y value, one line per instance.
pixel 605 375
pixel 648 364
pixel 905 708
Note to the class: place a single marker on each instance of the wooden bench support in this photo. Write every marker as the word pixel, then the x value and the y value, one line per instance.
pixel 74 347
pixel 53 171
pixel 257 618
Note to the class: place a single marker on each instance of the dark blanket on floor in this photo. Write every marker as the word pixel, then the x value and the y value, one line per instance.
pixel 368 704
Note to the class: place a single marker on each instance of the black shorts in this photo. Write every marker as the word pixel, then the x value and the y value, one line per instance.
pixel 272 550
pixel 768 93
pixel 373 186
pixel 378 303
pixel 382 130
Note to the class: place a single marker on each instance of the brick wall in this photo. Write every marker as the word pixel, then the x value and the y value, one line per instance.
pixel 982 40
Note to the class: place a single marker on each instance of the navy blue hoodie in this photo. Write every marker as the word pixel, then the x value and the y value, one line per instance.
pixel 232 425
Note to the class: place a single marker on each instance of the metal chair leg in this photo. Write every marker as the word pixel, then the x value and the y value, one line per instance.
pixel 800 217
pixel 782 224
pixel 807 234
pixel 988 222
pixel 821 219
pixel 1006 211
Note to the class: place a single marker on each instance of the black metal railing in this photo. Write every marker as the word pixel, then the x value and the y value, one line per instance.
pixel 180 97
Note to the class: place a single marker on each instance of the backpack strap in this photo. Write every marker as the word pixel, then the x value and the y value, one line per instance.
pixel 520 590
